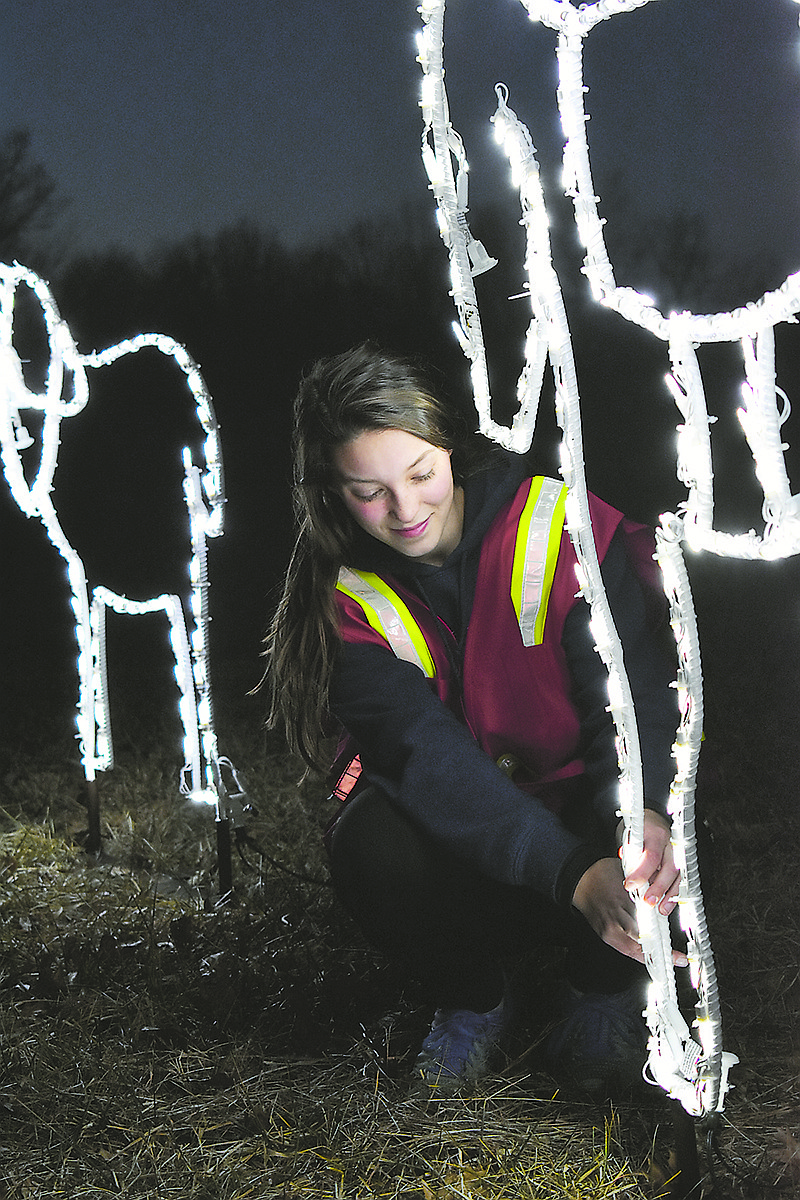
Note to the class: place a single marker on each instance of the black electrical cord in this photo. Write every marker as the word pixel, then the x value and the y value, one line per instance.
pixel 242 838
pixel 753 1176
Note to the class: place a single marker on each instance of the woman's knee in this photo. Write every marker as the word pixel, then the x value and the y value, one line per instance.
pixel 373 839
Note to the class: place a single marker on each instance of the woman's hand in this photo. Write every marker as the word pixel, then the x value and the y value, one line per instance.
pixel 603 894
pixel 655 877
pixel 602 899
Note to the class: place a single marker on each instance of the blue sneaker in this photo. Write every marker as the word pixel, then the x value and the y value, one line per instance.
pixel 460 1049
pixel 601 1041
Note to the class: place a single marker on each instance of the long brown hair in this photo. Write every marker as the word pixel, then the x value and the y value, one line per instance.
pixel 338 399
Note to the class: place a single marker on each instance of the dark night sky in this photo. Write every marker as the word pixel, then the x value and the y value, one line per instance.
pixel 159 118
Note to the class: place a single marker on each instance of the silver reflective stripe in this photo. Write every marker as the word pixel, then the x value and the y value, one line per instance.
pixel 385 612
pixel 537 543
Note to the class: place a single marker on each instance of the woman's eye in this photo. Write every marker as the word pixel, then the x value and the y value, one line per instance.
pixel 371 496
pixel 425 478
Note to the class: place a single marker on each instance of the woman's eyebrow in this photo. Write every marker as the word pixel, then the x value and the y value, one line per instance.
pixel 358 479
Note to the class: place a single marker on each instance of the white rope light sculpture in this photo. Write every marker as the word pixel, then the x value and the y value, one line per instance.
pixel 65 393
pixel 689 1064
pixel 752 325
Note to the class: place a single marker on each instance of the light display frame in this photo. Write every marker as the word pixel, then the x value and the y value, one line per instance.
pixel 692 1069
pixel 207 777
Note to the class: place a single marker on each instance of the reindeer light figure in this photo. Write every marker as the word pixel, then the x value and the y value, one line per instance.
pixel 205 777
pixel 692 1070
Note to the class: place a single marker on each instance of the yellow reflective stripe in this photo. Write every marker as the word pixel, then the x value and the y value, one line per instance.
pixel 389 616
pixel 536 555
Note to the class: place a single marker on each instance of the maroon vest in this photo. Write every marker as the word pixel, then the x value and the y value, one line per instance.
pixel 516 698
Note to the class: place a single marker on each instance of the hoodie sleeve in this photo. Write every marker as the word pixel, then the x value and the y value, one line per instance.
pixel 415 749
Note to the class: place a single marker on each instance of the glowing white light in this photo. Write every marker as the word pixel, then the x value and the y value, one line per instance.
pixel 751 325
pixel 695 1074
pixel 204 494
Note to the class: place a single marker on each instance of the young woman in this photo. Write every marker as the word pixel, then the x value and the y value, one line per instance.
pixel 430 612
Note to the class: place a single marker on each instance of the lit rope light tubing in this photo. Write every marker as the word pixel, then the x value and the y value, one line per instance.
pixel 675 1057
pixel 761 420
pixel 205 500
pixel 752 325
pixel 440 144
pixel 701 1082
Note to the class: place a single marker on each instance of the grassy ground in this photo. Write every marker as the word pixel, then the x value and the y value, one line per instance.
pixel 155 1045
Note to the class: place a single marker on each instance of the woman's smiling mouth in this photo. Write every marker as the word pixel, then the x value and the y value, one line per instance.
pixel 413 530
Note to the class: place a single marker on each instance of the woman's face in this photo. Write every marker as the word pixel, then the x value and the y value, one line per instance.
pixel 399 488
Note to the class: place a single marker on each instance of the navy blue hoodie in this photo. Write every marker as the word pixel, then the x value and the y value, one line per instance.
pixel 426 760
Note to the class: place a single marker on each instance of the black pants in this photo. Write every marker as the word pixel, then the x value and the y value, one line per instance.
pixel 448 926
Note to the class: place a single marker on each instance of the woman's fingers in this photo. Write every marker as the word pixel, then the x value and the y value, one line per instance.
pixel 655 877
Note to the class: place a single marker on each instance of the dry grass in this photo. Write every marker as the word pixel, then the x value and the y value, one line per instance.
pixel 155 1045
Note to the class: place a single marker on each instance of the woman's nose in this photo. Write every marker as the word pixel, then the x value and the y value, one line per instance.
pixel 403 506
